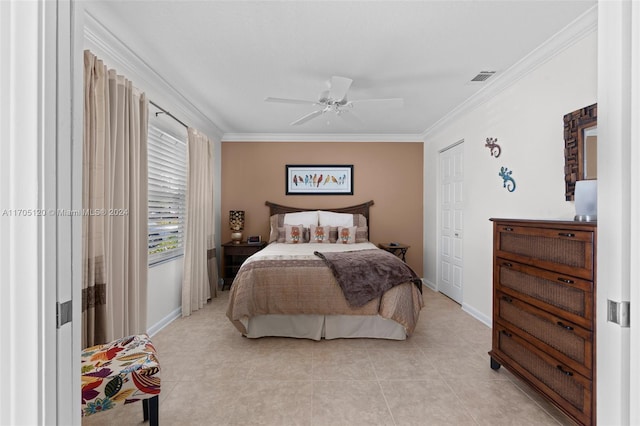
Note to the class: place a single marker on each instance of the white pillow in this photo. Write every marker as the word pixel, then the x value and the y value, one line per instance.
pixel 335 219
pixel 301 218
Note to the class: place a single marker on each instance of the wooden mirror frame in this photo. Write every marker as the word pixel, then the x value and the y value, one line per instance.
pixel 574 125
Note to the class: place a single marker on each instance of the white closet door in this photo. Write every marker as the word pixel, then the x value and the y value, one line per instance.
pixel 450 278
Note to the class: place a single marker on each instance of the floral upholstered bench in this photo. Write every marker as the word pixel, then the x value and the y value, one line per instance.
pixel 121 372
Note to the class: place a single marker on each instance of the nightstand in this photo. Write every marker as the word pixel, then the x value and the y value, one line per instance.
pixel 399 250
pixel 234 255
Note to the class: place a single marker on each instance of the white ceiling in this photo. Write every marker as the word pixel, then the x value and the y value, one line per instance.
pixel 227 56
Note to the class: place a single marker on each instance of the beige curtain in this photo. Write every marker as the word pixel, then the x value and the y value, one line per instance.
pixel 114 201
pixel 200 270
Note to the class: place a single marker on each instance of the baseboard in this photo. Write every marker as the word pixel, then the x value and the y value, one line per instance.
pixel 477 314
pixel 429 284
pixel 155 328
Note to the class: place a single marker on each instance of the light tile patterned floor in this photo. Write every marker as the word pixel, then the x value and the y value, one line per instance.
pixel 439 376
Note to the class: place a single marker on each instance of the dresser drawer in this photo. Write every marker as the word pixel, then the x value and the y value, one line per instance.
pixel 562 339
pixel 570 390
pixel 567 251
pixel 559 294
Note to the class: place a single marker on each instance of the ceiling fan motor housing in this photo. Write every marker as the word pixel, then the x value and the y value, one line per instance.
pixel 325 99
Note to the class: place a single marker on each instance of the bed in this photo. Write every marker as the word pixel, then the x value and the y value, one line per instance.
pixel 290 288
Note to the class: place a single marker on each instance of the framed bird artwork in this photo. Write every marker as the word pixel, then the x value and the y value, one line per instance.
pixel 319 179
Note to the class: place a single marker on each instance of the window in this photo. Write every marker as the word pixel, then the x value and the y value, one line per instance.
pixel 167 195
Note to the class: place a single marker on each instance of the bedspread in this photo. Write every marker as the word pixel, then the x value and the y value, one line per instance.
pixel 274 281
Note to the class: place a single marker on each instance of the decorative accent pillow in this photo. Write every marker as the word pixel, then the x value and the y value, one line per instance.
pixel 362 233
pixel 293 234
pixel 346 234
pixel 276 222
pixel 335 219
pixel 333 234
pixel 319 234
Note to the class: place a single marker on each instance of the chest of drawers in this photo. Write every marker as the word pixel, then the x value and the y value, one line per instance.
pixel 544 277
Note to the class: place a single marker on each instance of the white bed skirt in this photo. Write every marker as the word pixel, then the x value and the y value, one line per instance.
pixel 328 327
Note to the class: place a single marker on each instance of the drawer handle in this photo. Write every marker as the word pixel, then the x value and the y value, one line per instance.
pixel 506 333
pixel 566 327
pixel 566 234
pixel 565 280
pixel 565 372
pixel 507 299
pixel 507 264
pixel 507 229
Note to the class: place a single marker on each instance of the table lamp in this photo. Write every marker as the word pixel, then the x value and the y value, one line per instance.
pixel 236 224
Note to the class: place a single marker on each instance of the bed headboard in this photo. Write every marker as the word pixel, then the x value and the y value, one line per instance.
pixel 362 209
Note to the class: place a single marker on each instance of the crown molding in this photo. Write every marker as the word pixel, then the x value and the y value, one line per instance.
pixel 320 137
pixel 98 36
pixel 579 28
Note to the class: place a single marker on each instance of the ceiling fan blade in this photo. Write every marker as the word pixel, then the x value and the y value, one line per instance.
pixel 351 119
pixel 307 117
pixel 290 101
pixel 386 103
pixel 339 87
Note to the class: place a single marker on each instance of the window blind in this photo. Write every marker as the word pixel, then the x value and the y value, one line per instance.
pixel 167 195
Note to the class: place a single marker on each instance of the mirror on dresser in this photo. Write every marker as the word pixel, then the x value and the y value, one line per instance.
pixel 580 147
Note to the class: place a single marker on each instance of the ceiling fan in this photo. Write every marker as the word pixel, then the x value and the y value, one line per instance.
pixel 335 100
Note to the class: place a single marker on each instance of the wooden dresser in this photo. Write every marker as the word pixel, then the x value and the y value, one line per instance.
pixel 544 286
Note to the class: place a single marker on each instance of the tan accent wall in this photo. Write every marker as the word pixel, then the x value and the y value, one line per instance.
pixel 390 174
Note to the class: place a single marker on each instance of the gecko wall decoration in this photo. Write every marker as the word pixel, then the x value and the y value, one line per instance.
pixel 493 147
pixel 507 180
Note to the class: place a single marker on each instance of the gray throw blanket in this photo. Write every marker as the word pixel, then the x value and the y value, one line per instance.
pixel 365 275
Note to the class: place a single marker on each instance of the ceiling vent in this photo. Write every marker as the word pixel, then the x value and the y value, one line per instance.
pixel 483 75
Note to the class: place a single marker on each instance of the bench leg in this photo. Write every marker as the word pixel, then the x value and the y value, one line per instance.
pixel 150 410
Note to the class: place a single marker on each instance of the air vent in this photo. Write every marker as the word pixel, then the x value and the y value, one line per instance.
pixel 483 75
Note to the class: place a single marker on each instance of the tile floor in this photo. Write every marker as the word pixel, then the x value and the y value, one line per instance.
pixel 439 376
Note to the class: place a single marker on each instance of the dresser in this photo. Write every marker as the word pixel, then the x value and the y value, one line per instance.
pixel 544 286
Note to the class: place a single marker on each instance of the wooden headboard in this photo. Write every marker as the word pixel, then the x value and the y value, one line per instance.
pixel 362 209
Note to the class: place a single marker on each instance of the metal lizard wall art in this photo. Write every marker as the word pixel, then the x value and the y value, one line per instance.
pixel 508 181
pixel 493 147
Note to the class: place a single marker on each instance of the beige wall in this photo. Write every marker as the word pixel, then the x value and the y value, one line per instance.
pixel 390 174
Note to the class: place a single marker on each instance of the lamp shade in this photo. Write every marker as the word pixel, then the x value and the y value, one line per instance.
pixel 236 220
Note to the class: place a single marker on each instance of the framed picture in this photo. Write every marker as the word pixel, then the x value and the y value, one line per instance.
pixel 319 180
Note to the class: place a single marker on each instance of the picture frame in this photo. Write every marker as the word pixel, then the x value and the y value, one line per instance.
pixel 319 179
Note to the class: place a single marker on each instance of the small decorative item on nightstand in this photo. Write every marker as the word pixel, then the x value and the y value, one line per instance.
pixel 254 239
pixel 236 224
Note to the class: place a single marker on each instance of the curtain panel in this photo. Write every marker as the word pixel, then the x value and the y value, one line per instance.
pixel 200 278
pixel 115 206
